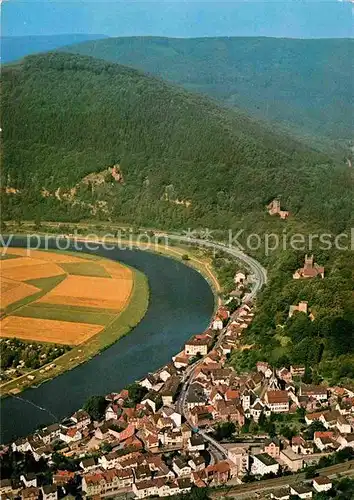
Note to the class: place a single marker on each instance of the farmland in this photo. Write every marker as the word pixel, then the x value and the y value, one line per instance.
pixel 69 300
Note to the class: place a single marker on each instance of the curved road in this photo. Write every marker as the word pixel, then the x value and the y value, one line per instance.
pixel 217 450
pixel 259 272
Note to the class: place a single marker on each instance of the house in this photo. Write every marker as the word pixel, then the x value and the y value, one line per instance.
pixel 302 307
pixel 292 460
pixel 81 419
pixel 49 492
pixel 217 474
pixel 297 370
pixel 325 440
pixel 196 443
pixel 148 382
pixel 262 366
pixel 217 323
pixel 181 467
pixel 310 270
pixel 317 392
pixel 50 433
pixel 197 345
pixel 70 435
pixel 195 396
pixel 240 457
pixel 285 374
pixel 5 487
pixel 346 441
pixel 147 488
pixel 256 410
pixel 343 425
pixel 29 480
pixel 264 464
pixel 167 372
pixel 180 361
pixel 239 278
pixel 272 447
pixel 301 490
pixel 170 389
pixel 277 401
pixel 280 494
pixel 197 463
pixel 152 399
pixel 170 412
pixel 88 464
pixel 274 209
pixel 63 477
pixel 31 493
pixel 322 483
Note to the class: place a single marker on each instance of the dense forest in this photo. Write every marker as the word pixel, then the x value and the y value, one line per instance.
pixel 322 339
pixel 306 84
pixel 185 160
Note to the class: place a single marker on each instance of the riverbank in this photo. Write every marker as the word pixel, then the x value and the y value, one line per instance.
pixel 120 326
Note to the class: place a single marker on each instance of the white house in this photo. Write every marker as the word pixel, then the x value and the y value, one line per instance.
pixel 29 480
pixel 301 490
pixel 264 464
pixel 217 323
pixel 49 492
pixel 322 483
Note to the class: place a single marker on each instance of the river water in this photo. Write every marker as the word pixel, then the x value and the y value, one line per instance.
pixel 181 304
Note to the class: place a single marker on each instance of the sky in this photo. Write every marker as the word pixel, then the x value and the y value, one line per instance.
pixel 180 18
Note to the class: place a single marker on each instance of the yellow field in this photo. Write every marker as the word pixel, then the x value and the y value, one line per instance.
pixel 106 293
pixel 85 285
pixel 31 272
pixel 12 291
pixel 45 330
pixel 47 256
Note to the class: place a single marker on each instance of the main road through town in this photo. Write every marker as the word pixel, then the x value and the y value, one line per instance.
pixel 259 275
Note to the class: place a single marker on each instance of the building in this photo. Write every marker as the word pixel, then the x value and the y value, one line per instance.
pixel 277 401
pixel 310 270
pixel 275 209
pixel 49 492
pixel 301 490
pixel 292 460
pixel 318 392
pixel 197 345
pixel 297 370
pixel 322 483
pixel 302 307
pixel 272 447
pixel 264 464
pixel 240 457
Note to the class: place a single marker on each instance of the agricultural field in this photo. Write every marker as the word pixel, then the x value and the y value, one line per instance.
pixel 63 300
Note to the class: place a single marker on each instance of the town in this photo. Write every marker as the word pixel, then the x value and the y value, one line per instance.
pixel 195 423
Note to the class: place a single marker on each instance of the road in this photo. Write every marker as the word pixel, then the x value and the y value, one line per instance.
pixel 259 272
pixel 217 450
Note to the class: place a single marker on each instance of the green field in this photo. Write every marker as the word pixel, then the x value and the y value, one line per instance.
pixel 6 256
pixel 63 313
pixel 44 284
pixel 85 269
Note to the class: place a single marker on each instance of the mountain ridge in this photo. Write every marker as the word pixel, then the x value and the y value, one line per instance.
pixel 267 77
pixel 66 116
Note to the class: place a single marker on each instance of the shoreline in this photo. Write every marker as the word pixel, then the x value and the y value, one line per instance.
pixel 120 326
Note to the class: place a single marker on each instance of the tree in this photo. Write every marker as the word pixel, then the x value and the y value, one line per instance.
pixel 95 407
pixel 224 430
pixel 185 256
pixel 136 392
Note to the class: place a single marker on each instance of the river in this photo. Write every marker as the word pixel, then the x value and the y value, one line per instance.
pixel 181 304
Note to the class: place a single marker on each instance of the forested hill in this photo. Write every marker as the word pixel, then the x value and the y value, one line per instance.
pixel 185 161
pixel 303 83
